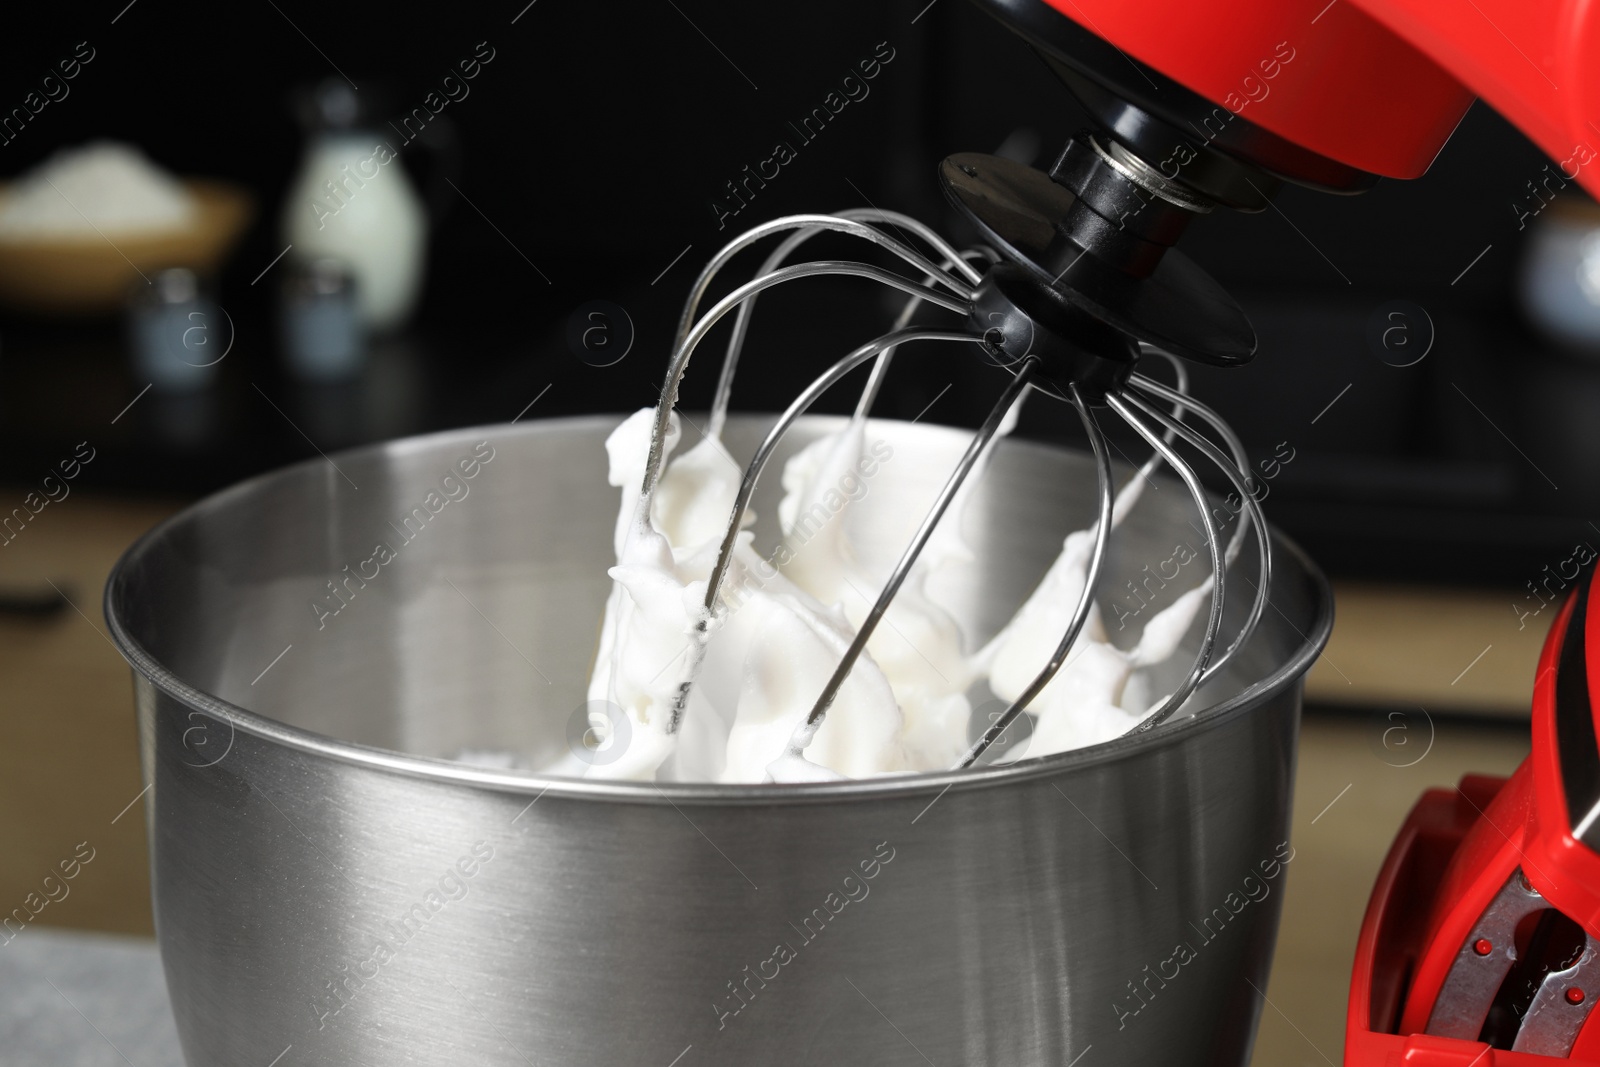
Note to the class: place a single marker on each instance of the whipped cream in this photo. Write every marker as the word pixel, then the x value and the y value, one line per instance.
pixel 726 695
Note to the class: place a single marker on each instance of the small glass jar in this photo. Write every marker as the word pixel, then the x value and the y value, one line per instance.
pixel 176 333
pixel 323 339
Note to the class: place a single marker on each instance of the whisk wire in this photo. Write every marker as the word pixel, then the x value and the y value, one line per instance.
pixel 975 449
pixel 880 369
pixel 813 223
pixel 1241 459
pixel 1207 414
pixel 798 407
pixel 1080 613
pixel 1129 494
pixel 1213 546
pixel 680 359
pixel 741 325
pixel 1253 518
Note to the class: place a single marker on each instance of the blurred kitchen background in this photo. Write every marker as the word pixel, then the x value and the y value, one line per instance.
pixel 555 186
pixel 581 163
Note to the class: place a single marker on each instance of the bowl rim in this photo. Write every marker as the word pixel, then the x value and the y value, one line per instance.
pixel 1288 674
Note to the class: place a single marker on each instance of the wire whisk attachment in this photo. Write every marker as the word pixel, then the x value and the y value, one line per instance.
pixel 1047 343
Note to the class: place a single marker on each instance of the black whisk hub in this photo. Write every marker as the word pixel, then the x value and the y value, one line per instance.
pixel 1097 231
pixel 1019 316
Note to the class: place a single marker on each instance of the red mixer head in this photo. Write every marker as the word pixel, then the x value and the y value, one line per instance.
pixel 1208 105
pixel 1328 93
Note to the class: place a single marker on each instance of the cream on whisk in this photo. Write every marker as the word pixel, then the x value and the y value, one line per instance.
pixel 754 668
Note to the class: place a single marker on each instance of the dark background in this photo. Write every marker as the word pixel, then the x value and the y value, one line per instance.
pixel 593 145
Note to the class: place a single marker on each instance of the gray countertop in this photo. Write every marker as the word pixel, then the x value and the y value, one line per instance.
pixel 70 999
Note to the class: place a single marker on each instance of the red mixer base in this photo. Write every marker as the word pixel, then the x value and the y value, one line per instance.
pixel 1392 935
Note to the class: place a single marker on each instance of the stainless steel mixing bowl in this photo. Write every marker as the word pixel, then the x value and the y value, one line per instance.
pixel 332 888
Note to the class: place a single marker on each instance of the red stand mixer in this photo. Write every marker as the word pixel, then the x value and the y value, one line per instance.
pixel 1481 943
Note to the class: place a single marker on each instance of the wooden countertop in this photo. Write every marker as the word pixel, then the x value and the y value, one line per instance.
pixel 69 761
pixel 1455 650
pixel 1351 795
pixel 69 770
